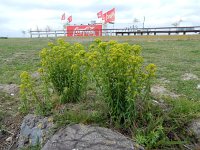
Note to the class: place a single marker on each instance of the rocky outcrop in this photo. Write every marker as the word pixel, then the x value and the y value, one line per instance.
pixel 82 137
pixel 35 130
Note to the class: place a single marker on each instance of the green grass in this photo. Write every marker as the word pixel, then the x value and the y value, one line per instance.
pixel 173 59
pixel 17 55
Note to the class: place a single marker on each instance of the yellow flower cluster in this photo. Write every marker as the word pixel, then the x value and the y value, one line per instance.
pixel 151 69
pixel 25 82
pixel 119 64
pixel 119 73
pixel 64 64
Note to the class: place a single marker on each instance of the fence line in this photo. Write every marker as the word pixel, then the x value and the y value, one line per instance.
pixel 124 31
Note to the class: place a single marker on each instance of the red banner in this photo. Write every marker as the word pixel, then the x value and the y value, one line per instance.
pixel 109 16
pixel 84 30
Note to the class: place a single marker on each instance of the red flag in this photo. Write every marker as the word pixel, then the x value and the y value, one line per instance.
pixel 110 16
pixel 99 14
pixel 63 17
pixel 104 16
pixel 69 19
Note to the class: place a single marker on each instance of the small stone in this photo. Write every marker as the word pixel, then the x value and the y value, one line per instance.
pixel 9 139
pixel 198 86
pixel 50 119
pixel 156 102
pixel 40 126
pixel 30 141
pixel 12 94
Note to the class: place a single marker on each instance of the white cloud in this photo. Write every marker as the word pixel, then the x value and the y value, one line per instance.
pixel 18 15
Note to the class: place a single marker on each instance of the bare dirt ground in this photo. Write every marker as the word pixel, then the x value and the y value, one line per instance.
pixel 10 119
pixel 189 76
pixel 159 91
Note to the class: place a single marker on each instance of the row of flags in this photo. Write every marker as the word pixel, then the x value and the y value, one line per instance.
pixel 69 19
pixel 108 17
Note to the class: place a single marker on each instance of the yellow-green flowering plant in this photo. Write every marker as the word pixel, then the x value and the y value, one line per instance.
pixel 64 65
pixel 30 98
pixel 120 74
pixel 24 88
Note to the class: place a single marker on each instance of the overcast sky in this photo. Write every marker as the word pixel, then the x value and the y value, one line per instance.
pixel 19 15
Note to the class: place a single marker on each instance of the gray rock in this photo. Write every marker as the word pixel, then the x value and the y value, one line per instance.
pixel 82 137
pixel 34 130
pixel 195 128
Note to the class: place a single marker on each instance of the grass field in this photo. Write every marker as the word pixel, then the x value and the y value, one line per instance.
pixel 173 60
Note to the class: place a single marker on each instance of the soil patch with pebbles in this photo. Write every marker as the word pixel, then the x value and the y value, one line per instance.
pixel 189 76
pixel 8 135
pixel 159 91
pixel 11 89
pixel 164 80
